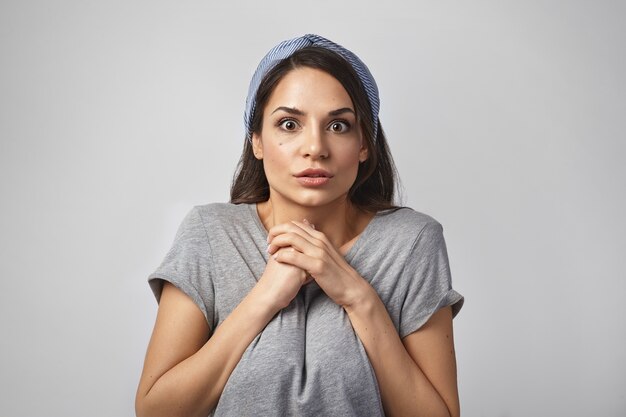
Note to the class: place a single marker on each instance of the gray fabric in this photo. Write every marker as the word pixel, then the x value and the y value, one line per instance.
pixel 308 361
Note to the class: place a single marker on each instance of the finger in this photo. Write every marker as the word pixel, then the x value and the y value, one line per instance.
pixel 297 242
pixel 295 228
pixel 310 229
pixel 285 228
pixel 321 241
pixel 295 258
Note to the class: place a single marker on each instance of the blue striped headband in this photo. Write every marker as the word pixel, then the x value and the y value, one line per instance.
pixel 287 48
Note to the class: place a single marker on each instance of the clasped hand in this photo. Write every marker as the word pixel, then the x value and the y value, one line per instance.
pixel 299 245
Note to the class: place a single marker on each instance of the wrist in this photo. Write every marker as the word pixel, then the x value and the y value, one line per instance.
pixel 361 297
pixel 264 305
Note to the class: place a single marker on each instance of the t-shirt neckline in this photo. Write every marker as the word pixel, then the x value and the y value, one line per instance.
pixel 351 252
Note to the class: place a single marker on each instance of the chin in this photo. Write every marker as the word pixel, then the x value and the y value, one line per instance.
pixel 310 198
pixel 320 201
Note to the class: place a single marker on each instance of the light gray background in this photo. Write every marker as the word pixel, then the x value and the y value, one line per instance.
pixel 506 120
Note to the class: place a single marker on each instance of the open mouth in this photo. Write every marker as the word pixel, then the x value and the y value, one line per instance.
pixel 314 173
pixel 313 177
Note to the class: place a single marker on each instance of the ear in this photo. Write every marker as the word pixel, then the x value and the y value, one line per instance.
pixel 257 146
pixel 363 152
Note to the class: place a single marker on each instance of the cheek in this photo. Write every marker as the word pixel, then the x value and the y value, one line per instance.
pixel 273 154
pixel 350 156
pixel 350 168
pixel 275 159
pixel 280 149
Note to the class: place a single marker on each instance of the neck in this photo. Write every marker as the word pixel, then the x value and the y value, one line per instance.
pixel 340 221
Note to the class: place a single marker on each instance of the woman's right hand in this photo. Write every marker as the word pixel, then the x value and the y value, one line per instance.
pixel 281 282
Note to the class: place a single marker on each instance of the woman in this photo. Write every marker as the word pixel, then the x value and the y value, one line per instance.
pixel 309 294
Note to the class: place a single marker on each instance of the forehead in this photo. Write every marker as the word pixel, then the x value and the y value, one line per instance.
pixel 309 88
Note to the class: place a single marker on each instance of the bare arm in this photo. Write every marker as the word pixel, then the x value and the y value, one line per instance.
pixel 416 375
pixel 185 371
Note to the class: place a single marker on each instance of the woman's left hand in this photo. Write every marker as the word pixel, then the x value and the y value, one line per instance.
pixel 315 254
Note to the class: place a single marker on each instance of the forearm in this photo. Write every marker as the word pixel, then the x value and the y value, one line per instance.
pixel 194 386
pixel 405 390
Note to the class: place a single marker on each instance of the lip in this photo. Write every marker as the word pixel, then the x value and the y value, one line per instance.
pixel 313 177
pixel 314 173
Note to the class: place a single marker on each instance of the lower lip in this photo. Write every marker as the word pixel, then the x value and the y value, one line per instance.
pixel 313 181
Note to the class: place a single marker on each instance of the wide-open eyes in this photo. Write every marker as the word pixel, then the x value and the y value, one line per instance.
pixel 339 126
pixel 288 124
pixel 336 126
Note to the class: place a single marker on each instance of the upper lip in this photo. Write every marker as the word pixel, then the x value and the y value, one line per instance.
pixel 313 172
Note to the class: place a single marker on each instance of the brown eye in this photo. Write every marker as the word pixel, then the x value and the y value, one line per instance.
pixel 339 127
pixel 288 124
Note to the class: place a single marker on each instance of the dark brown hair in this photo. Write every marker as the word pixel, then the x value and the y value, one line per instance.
pixel 376 181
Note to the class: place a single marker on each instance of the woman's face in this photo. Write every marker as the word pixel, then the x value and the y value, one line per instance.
pixel 310 143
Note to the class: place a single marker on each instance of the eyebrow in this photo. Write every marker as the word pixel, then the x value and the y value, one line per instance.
pixel 341 111
pixel 290 110
pixel 298 112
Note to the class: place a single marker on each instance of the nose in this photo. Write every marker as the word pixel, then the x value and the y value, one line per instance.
pixel 314 144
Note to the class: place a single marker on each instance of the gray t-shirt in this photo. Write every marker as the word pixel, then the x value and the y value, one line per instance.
pixel 308 361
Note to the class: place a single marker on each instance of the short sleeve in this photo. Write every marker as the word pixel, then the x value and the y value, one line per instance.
pixel 429 280
pixel 187 265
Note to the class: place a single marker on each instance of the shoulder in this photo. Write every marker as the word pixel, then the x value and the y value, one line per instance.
pixel 229 222
pixel 203 220
pixel 402 231
pixel 405 221
pixel 216 213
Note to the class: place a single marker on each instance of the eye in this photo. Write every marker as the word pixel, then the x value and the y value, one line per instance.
pixel 339 126
pixel 288 124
